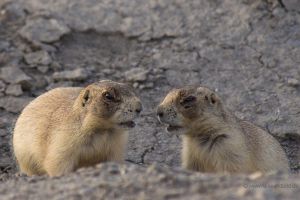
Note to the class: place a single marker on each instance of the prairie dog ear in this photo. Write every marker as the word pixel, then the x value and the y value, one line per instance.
pixel 85 97
pixel 214 99
pixel 210 96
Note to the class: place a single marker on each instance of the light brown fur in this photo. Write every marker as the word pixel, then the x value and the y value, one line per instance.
pixel 214 140
pixel 68 128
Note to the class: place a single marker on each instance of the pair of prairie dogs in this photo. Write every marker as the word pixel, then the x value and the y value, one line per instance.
pixel 68 128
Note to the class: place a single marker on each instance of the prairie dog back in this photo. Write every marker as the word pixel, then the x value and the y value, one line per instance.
pixel 68 128
pixel 214 140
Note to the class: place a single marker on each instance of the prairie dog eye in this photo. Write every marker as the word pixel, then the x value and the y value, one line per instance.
pixel 86 97
pixel 108 96
pixel 188 101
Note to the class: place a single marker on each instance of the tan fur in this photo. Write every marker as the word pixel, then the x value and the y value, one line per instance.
pixel 63 130
pixel 214 140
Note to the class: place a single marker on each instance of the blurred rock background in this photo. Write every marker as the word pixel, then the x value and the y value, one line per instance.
pixel 248 51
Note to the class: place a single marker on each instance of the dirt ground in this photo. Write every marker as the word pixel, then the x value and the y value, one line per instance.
pixel 248 51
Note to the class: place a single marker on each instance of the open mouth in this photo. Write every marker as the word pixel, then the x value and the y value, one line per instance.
pixel 171 128
pixel 128 124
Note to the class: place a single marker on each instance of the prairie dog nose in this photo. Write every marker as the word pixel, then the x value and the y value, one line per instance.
pixel 159 112
pixel 139 107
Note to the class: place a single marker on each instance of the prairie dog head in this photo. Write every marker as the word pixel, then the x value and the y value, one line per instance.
pixel 109 105
pixel 186 108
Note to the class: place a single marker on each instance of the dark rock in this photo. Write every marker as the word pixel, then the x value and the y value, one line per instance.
pixel 3 58
pixel 15 75
pixel 148 85
pixel 293 82
pixel 43 69
pixel 2 132
pixel 5 163
pixel 60 84
pixel 3 122
pixel 44 30
pixel 14 104
pixel 14 89
pixel 292 5
pixel 39 82
pixel 136 75
pixel 4 45
pixel 71 75
pixel 38 58
pixel 2 86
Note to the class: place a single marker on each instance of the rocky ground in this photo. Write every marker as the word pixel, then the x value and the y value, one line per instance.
pixel 248 51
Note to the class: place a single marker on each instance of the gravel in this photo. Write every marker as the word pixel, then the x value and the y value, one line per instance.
pixel 12 74
pixel 44 30
pixel 71 75
pixel 248 51
pixel 14 104
pixel 38 58
pixel 14 90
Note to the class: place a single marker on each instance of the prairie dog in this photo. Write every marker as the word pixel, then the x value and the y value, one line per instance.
pixel 68 128
pixel 214 140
